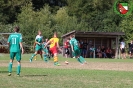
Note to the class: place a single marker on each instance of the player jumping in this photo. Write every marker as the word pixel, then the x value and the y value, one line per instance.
pixel 15 45
pixel 75 48
pixel 38 41
pixel 54 46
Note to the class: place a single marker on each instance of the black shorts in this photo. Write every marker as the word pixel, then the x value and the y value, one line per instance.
pixel 122 50
pixel 67 51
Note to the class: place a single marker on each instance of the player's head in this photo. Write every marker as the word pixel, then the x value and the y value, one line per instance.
pixel 39 32
pixel 55 34
pixel 71 36
pixel 46 40
pixel 16 29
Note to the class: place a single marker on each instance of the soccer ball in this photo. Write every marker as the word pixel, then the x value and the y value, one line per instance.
pixel 66 62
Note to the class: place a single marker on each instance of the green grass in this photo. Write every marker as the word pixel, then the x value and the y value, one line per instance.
pixel 65 78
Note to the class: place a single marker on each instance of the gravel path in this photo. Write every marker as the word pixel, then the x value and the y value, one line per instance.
pixel 119 66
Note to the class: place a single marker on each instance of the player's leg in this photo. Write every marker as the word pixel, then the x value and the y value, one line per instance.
pixel 76 55
pixel 54 52
pixel 45 55
pixel 56 59
pixel 41 53
pixel 73 54
pixel 79 57
pixel 36 51
pixel 12 55
pixel 18 57
pixel 33 56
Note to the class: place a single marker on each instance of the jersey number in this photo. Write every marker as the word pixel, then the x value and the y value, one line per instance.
pixel 13 40
pixel 52 41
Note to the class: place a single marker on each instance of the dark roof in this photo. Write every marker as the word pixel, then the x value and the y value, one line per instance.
pixel 94 33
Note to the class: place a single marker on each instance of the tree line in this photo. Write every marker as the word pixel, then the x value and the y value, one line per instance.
pixel 62 16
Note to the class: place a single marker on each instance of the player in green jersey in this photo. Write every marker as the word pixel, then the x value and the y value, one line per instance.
pixel 45 50
pixel 76 50
pixel 15 45
pixel 38 41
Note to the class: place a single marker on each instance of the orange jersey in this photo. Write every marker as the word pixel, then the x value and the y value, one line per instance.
pixel 53 42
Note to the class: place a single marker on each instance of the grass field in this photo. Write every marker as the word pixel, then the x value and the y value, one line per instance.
pixel 97 73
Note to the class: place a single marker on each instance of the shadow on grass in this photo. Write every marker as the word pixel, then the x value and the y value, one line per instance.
pixel 35 75
pixel 5 71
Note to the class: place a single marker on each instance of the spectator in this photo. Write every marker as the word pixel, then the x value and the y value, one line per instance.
pixel 103 52
pixel 92 49
pixel 98 52
pixel 131 49
pixel 109 53
pixel 66 46
pixel 81 47
pixel 122 48
pixel 85 47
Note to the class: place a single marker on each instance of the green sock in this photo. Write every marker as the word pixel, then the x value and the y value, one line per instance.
pixel 82 59
pixel 45 57
pixel 18 69
pixel 79 60
pixel 33 56
pixel 10 67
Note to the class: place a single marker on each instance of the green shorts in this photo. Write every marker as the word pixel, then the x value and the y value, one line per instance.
pixel 77 52
pixel 17 54
pixel 38 48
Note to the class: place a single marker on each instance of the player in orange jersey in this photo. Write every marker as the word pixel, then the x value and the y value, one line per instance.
pixel 54 46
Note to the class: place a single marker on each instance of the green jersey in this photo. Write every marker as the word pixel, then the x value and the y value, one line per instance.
pixel 14 41
pixel 38 39
pixel 74 43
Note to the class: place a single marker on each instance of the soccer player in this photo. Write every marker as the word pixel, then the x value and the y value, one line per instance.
pixel 54 46
pixel 38 41
pixel 15 45
pixel 45 50
pixel 75 48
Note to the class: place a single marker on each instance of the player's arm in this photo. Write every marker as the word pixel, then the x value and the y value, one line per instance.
pixel 37 42
pixel 8 42
pixel 20 43
pixel 21 46
pixel 34 45
pixel 71 46
pixel 47 44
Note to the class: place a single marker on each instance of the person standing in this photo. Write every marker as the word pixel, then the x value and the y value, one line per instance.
pixel 16 48
pixel 85 48
pixel 131 49
pixel 122 48
pixel 66 46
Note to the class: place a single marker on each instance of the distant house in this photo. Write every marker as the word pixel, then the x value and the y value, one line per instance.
pixel 107 39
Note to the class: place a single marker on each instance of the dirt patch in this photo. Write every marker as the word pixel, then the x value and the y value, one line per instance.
pixel 119 66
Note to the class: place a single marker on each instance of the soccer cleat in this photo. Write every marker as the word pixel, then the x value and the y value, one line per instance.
pixel 9 74
pixel 56 64
pixel 30 60
pixel 46 61
pixel 18 75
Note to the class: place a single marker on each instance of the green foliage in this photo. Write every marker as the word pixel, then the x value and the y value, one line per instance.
pixel 62 16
